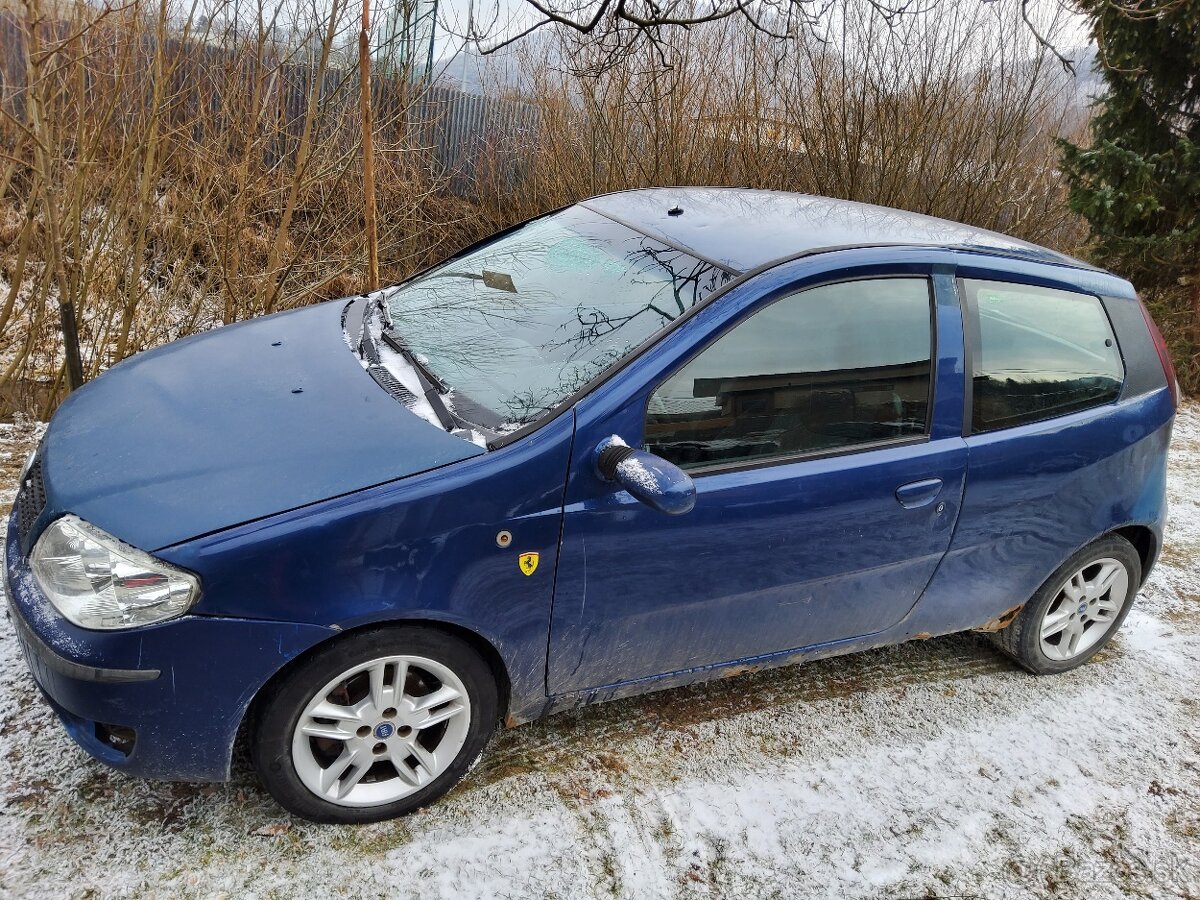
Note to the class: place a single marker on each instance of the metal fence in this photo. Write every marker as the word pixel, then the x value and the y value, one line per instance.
pixel 464 129
pixel 456 132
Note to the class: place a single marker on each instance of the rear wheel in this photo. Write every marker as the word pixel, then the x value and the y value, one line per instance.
pixel 374 726
pixel 1077 611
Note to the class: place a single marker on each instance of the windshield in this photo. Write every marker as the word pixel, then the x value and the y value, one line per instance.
pixel 514 327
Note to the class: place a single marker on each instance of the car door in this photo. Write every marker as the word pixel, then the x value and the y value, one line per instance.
pixel 825 496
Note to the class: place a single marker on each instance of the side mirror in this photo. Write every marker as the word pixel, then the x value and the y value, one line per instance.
pixel 651 479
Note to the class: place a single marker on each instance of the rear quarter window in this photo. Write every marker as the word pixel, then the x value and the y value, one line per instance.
pixel 1037 353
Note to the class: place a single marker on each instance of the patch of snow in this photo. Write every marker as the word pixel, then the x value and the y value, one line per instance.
pixel 935 768
pixel 470 434
pixel 632 469
pixel 491 860
pixel 403 372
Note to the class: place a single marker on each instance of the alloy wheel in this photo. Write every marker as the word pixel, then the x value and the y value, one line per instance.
pixel 1084 610
pixel 381 731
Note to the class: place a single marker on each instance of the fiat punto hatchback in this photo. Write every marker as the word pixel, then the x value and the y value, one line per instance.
pixel 656 437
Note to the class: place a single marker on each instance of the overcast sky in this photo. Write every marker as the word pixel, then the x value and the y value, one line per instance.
pixel 496 20
pixel 501 18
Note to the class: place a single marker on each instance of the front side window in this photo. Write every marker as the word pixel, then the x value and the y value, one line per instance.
pixel 1037 353
pixel 834 366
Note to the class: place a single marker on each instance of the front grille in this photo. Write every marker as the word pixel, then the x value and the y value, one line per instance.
pixel 31 500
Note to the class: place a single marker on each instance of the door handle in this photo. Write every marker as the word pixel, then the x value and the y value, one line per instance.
pixel 918 493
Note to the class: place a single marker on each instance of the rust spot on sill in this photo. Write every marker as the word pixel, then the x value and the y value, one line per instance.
pixel 510 721
pixel 922 636
pixel 734 671
pixel 1003 620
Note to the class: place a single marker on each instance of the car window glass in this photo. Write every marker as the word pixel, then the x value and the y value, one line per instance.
pixel 834 366
pixel 517 325
pixel 1037 353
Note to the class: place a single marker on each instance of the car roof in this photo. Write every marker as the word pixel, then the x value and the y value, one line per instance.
pixel 746 228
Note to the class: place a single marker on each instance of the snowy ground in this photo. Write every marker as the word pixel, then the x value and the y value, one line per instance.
pixel 935 769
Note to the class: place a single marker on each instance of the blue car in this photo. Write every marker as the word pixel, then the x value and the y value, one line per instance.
pixel 653 438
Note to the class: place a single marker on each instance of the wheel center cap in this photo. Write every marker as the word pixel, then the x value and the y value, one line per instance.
pixel 1083 607
pixel 384 730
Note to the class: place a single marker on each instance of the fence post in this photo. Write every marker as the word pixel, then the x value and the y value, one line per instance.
pixel 368 147
pixel 66 313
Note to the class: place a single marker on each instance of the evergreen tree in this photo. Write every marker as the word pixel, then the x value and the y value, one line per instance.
pixel 1138 183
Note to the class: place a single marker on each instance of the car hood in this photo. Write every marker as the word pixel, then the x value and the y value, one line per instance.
pixel 230 426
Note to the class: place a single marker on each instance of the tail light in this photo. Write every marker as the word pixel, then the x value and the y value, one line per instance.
pixel 1164 355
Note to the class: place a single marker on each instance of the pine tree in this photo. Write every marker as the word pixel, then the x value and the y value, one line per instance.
pixel 1138 183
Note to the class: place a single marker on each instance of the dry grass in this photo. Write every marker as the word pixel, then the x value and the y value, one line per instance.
pixel 167 175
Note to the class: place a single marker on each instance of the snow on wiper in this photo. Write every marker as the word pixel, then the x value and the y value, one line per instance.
pixel 390 369
pixel 354 322
pixel 431 387
pixel 399 371
pixel 368 342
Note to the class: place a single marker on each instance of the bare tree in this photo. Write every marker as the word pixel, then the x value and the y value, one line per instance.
pixel 167 169
pixel 620 27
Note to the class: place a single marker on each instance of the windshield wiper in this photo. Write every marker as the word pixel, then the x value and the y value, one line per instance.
pixel 431 385
pixel 367 348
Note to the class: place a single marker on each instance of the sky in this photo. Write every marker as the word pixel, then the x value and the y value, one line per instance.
pixel 496 20
pixel 502 18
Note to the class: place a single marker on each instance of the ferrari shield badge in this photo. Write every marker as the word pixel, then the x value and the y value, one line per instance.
pixel 528 563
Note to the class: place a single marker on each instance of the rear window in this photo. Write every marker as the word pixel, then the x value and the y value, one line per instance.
pixel 1037 353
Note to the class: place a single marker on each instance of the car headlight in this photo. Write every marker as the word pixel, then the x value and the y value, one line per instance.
pixel 95 581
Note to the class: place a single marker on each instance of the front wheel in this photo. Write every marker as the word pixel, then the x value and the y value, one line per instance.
pixel 374 726
pixel 1077 611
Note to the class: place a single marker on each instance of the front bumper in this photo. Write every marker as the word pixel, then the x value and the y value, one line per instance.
pixel 181 688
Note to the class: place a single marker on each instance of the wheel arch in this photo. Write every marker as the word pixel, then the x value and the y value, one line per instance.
pixel 1144 541
pixel 474 639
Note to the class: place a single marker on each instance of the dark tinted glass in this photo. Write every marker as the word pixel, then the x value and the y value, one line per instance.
pixel 516 326
pixel 1038 353
pixel 834 366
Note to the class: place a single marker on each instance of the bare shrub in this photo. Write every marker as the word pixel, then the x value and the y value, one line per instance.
pixel 951 113
pixel 166 175
pixel 170 173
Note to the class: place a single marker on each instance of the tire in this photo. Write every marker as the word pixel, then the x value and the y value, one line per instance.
pixel 331 738
pixel 1041 636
